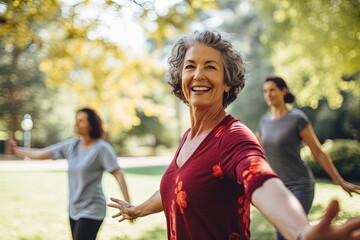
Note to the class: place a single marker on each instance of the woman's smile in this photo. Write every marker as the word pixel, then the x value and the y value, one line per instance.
pixel 203 76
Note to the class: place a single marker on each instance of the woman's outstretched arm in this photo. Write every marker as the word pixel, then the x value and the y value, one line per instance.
pixel 286 214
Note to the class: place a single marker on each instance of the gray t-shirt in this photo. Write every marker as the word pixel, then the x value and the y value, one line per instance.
pixel 86 166
pixel 282 143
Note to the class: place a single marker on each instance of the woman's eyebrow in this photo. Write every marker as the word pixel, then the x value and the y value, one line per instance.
pixel 206 62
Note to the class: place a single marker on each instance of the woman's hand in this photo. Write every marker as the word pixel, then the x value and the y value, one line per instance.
pixel 126 210
pixel 350 188
pixel 130 212
pixel 325 230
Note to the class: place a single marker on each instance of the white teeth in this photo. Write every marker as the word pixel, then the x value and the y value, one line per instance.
pixel 200 88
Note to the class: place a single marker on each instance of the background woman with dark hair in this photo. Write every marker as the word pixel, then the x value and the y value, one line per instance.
pixel 88 157
pixel 282 134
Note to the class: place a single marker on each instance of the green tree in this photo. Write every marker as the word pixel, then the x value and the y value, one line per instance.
pixel 22 84
pixel 341 123
pixel 242 21
pixel 315 46
pixel 245 20
pixel 74 55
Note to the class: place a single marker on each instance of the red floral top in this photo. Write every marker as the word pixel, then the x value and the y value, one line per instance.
pixel 209 196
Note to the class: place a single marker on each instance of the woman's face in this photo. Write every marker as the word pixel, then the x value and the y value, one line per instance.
pixel 82 125
pixel 273 95
pixel 203 77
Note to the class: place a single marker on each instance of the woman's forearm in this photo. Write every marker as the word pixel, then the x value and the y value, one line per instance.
pixel 281 208
pixel 324 160
pixel 150 206
pixel 122 184
pixel 32 153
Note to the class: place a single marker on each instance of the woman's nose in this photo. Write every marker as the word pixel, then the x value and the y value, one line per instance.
pixel 199 74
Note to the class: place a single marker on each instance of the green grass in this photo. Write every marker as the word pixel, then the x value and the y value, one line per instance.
pixel 34 206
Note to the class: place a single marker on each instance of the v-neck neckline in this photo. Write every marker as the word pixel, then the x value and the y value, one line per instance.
pixel 206 139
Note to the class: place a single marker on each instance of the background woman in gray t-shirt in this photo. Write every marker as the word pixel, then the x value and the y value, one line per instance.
pixel 88 157
pixel 282 134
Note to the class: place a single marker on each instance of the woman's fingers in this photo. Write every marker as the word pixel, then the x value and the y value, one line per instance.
pixel 113 205
pixel 124 209
pixel 117 215
pixel 353 227
pixel 331 212
pixel 115 200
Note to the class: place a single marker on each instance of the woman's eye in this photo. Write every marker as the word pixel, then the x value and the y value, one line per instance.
pixel 210 67
pixel 189 66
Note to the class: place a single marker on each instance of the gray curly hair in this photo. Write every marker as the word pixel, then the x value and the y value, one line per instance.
pixel 234 66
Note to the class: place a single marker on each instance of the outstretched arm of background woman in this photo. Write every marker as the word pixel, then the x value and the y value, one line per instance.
pixel 130 212
pixel 122 183
pixel 284 212
pixel 323 159
pixel 33 153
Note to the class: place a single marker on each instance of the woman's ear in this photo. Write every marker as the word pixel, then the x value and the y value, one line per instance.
pixel 227 88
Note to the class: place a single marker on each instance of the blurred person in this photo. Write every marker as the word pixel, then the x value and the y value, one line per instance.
pixel 88 157
pixel 219 168
pixel 282 134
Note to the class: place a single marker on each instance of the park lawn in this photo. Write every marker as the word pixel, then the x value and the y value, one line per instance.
pixel 34 206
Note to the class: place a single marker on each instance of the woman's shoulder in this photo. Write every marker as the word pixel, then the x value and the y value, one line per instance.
pixel 70 141
pixel 65 144
pixel 266 117
pixel 297 113
pixel 101 143
pixel 235 127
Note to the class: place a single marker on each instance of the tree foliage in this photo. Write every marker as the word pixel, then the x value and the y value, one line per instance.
pixel 243 21
pixel 315 46
pixel 72 51
pixel 57 55
pixel 249 25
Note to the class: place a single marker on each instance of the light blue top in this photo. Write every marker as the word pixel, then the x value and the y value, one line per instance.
pixel 86 166
pixel 282 143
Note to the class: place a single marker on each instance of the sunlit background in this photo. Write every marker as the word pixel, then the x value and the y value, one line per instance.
pixel 58 56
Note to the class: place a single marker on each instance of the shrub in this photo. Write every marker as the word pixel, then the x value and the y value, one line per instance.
pixel 345 154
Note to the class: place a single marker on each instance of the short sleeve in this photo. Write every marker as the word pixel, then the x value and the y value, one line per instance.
pixel 302 120
pixel 252 172
pixel 109 158
pixel 243 158
pixel 62 149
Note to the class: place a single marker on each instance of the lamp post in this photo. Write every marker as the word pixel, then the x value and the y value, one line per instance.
pixel 27 125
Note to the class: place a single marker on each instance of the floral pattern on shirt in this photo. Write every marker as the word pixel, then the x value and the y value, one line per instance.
pixel 219 131
pixel 244 212
pixel 217 171
pixel 256 168
pixel 180 200
pixel 234 236
pixel 172 221
pixel 181 197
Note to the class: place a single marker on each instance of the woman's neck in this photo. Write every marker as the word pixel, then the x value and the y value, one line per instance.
pixel 87 141
pixel 205 122
pixel 278 112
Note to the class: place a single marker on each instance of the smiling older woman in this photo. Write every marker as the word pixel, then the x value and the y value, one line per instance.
pixel 219 168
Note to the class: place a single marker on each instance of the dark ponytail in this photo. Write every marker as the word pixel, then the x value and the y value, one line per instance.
pixel 281 84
